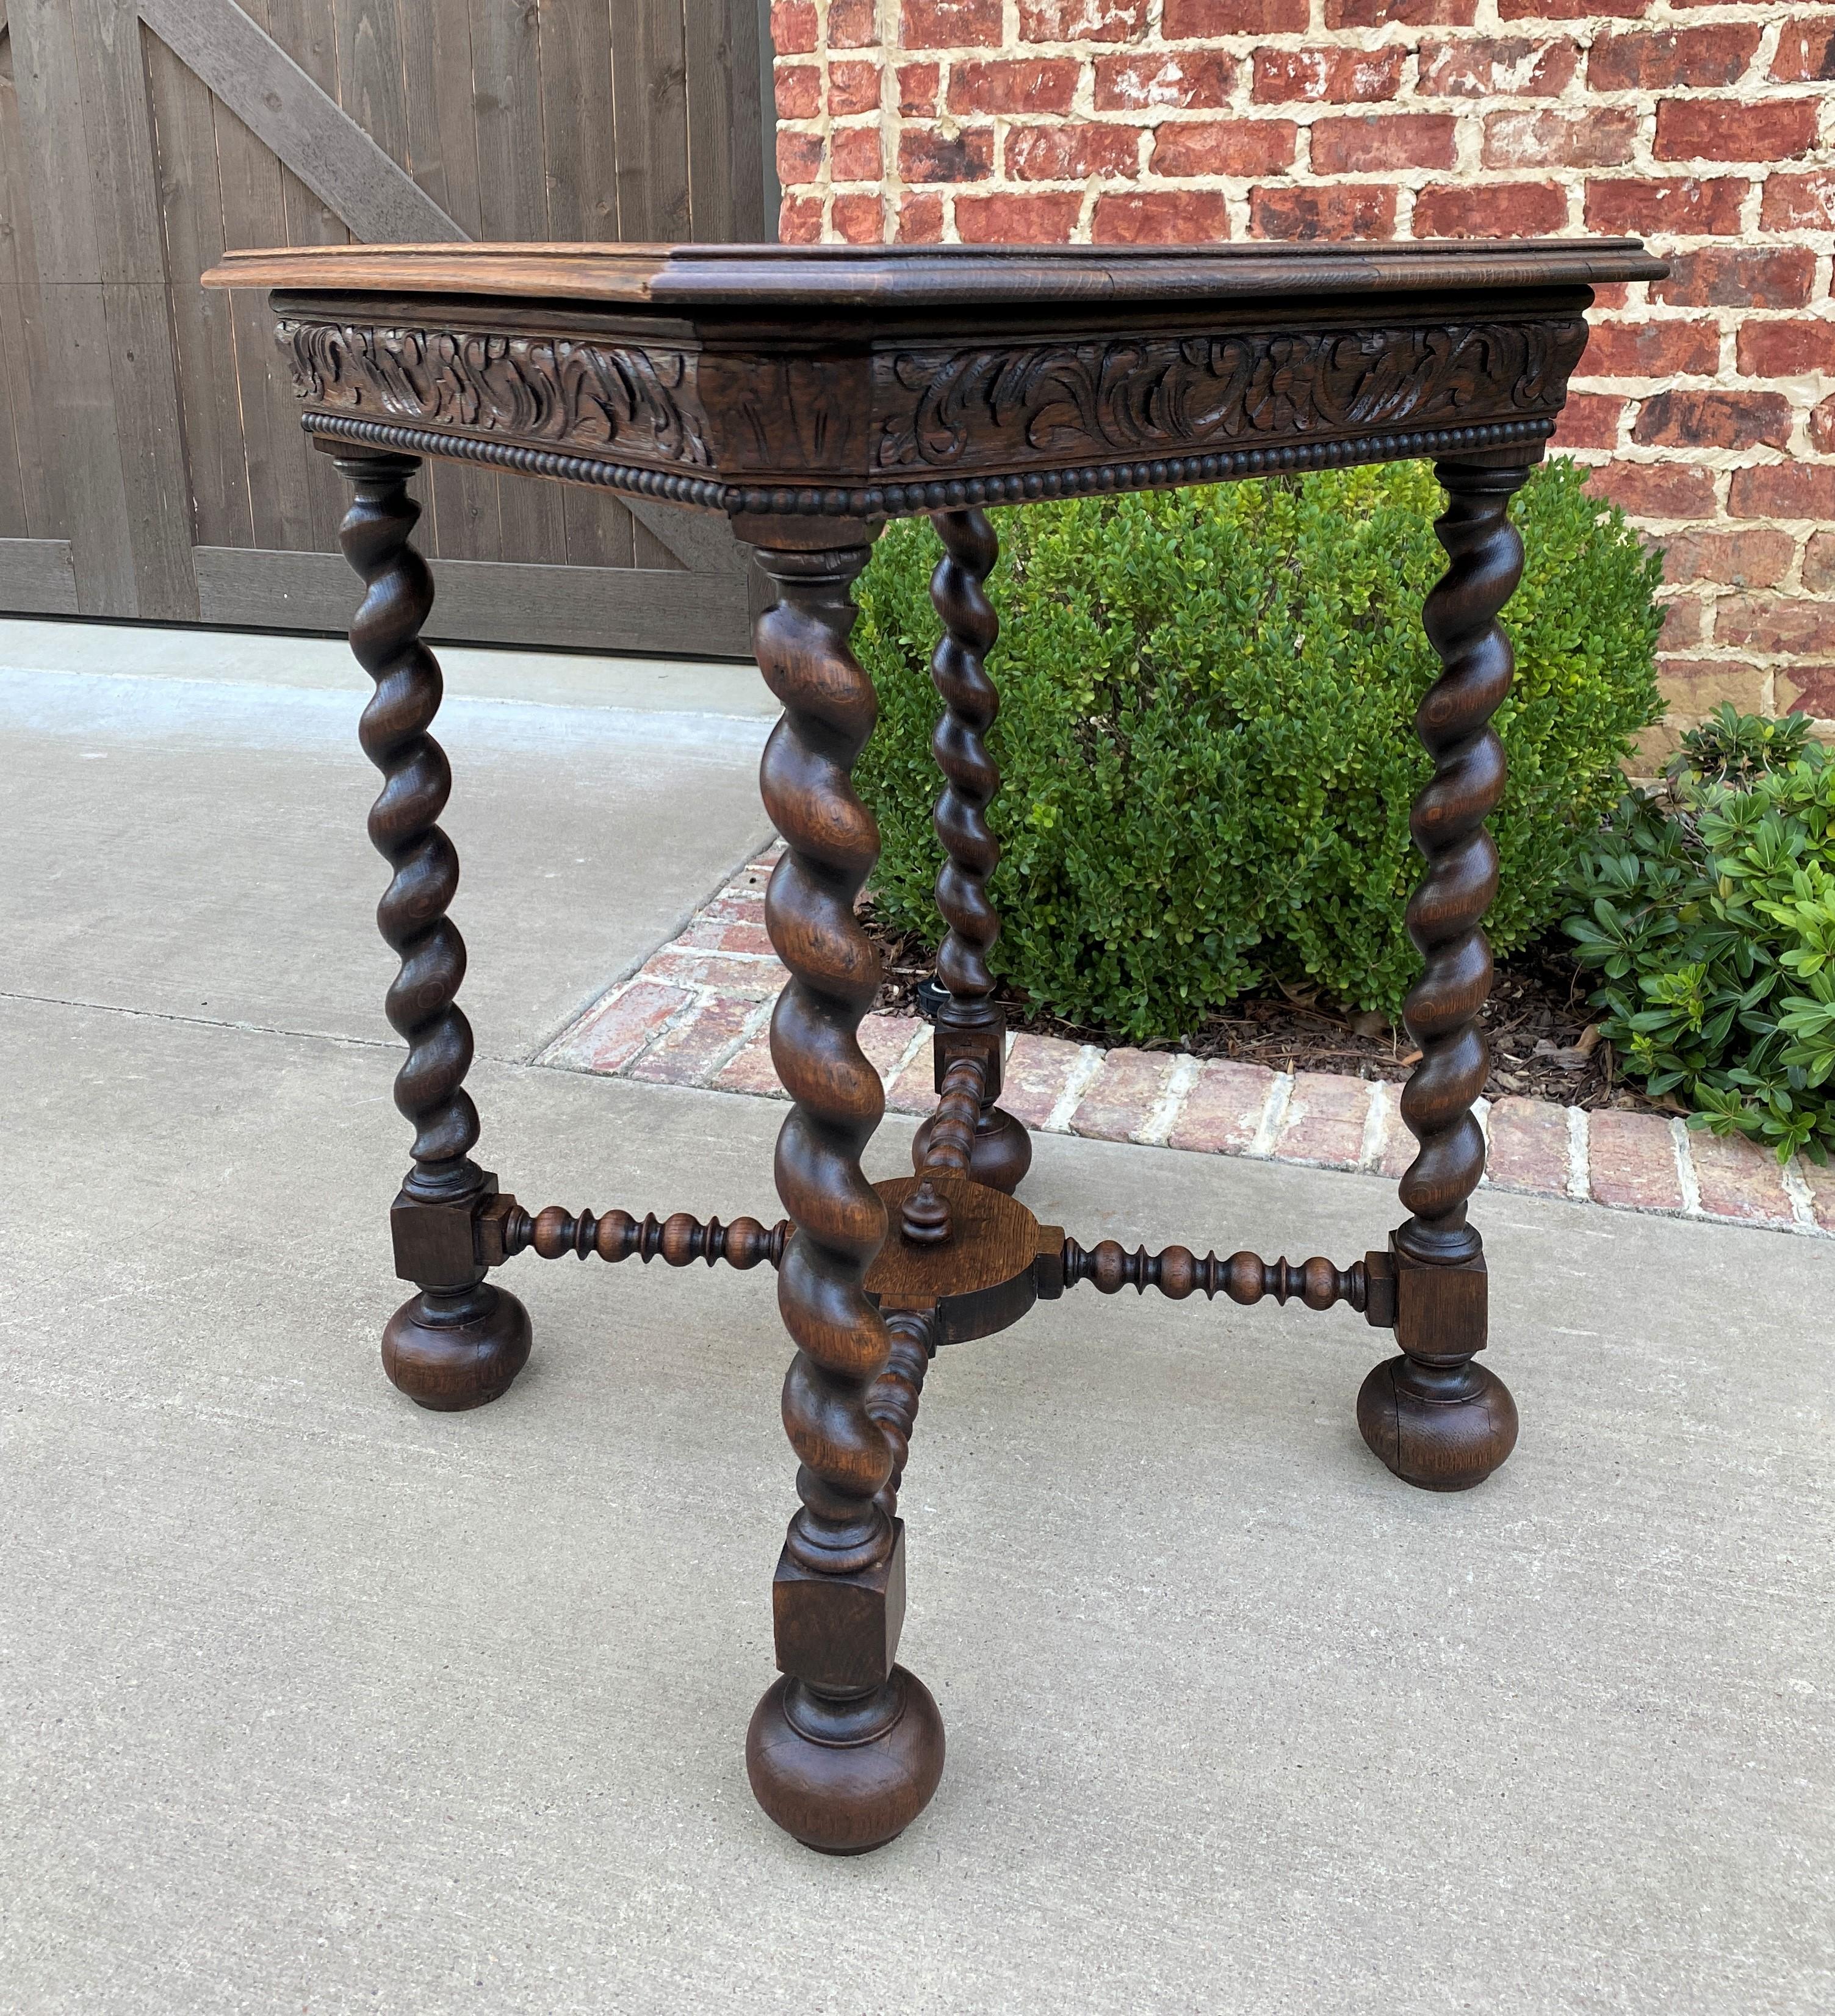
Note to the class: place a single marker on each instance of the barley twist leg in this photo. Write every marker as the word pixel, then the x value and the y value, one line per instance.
pixel 846 1749
pixel 458 1342
pixel 1002 1149
pixel 1434 1416
pixel 893 1400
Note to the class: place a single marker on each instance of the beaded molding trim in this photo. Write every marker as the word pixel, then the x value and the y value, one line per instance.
pixel 698 491
pixel 894 500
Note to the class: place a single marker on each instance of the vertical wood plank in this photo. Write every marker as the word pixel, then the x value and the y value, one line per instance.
pixel 512 192
pixel 726 193
pixel 191 208
pixel 24 355
pixel 582 160
pixel 153 461
pixel 652 82
pixel 308 31
pixel 442 156
pixel 15 522
pixel 111 73
pixel 442 126
pixel 79 394
pixel 112 85
pixel 373 90
pixel 252 192
pixel 371 79
pixel 254 202
pixel 506 76
pixel 439 160
pixel 649 123
pixel 575 50
pixel 649 75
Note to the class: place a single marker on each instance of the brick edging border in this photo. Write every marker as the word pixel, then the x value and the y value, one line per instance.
pixel 696 1012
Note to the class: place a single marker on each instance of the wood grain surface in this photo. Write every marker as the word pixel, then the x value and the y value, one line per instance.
pixel 845 276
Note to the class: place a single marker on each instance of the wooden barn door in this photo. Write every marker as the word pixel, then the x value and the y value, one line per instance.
pixel 151 461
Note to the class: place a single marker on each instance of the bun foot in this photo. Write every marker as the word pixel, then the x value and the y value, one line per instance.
pixel 1002 1152
pixel 450 1352
pixel 1440 1428
pixel 844 1775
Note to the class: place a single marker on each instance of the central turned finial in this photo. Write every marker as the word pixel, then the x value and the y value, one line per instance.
pixel 925 1218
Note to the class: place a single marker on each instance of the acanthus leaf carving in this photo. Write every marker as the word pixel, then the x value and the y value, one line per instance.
pixel 636 400
pixel 1159 395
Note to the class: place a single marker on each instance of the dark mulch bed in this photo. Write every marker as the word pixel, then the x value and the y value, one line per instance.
pixel 1537 1017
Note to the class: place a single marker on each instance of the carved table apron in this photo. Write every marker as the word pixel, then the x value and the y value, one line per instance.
pixel 809 394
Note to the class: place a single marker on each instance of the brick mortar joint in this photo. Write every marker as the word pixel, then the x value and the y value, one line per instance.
pixel 1487 24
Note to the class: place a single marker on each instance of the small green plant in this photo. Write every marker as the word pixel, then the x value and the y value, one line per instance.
pixel 1206 733
pixel 1712 919
pixel 1730 747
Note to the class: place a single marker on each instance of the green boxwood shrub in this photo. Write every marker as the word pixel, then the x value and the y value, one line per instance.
pixel 1206 732
pixel 1710 916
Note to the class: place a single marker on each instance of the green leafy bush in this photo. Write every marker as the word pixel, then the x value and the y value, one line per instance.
pixel 1206 732
pixel 1712 918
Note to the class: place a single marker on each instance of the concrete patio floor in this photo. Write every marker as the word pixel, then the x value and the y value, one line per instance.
pixel 317 1701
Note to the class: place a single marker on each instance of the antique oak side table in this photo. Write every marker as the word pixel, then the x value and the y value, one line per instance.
pixel 810 394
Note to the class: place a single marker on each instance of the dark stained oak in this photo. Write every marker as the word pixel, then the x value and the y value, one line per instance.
pixel 946 1144
pixel 806 395
pixel 1244 1277
pixel 461 1341
pixel 846 1750
pixel 679 1240
pixel 982 1278
pixel 1436 1419
pixel 969 1024
pixel 782 382
pixel 971 630
pixel 893 1400
pixel 845 1774
pixel 774 281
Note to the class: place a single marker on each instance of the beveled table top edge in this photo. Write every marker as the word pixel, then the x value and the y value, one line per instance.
pixel 772 277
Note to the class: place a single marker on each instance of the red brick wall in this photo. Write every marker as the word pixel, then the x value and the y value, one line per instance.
pixel 1705 126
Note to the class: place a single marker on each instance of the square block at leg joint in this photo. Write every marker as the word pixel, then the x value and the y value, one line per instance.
pixel 436 1244
pixel 840 1632
pixel 1441 1311
pixel 989 1045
